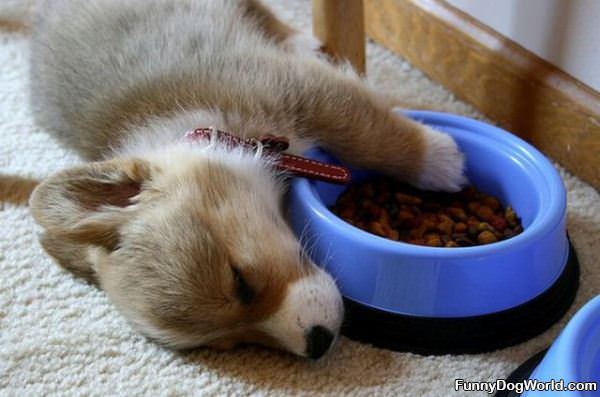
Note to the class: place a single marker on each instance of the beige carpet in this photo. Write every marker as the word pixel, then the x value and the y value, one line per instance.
pixel 59 336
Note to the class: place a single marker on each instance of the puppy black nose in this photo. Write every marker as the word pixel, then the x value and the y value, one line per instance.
pixel 318 340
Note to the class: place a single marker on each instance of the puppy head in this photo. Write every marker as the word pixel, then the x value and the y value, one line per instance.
pixel 193 249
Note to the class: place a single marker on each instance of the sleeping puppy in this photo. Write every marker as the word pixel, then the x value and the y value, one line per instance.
pixel 188 239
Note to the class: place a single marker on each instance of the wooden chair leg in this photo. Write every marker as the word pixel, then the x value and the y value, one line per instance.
pixel 339 24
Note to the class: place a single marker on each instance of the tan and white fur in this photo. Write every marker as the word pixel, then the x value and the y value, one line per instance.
pixel 189 240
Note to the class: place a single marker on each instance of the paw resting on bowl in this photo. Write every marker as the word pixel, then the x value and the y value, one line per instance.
pixel 443 163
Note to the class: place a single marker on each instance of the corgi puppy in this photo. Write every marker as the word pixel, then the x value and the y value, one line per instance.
pixel 189 239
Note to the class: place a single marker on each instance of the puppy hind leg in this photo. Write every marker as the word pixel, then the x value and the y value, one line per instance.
pixel 16 189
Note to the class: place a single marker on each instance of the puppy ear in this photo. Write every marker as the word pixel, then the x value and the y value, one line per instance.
pixel 86 204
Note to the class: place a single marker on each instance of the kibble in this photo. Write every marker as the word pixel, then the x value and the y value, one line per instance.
pixel 486 237
pixel 401 213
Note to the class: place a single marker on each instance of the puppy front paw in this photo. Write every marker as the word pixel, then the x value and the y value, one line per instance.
pixel 443 163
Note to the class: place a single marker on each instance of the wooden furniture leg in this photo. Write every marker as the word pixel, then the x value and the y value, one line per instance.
pixel 339 24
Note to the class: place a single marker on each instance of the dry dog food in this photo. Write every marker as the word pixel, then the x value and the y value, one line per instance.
pixel 399 212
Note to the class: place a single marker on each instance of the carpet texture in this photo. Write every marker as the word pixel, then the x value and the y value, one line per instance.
pixel 60 336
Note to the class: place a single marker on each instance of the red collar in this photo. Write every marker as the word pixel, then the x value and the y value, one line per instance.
pixel 274 146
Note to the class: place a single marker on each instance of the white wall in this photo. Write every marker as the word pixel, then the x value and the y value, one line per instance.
pixel 564 32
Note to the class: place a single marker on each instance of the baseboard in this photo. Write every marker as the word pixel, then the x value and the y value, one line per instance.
pixel 513 87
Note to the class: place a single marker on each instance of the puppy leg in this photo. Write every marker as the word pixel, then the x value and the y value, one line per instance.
pixel 15 189
pixel 288 38
pixel 397 146
pixel 357 125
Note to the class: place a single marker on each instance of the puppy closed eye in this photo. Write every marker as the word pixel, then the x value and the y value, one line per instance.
pixel 243 291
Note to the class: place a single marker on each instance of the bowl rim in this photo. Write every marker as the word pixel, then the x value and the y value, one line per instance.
pixel 544 221
pixel 577 334
pixel 564 355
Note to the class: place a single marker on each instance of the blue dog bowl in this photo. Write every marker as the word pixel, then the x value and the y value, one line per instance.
pixel 573 357
pixel 404 290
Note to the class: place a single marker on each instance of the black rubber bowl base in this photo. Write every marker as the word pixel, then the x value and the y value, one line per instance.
pixel 520 374
pixel 464 335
